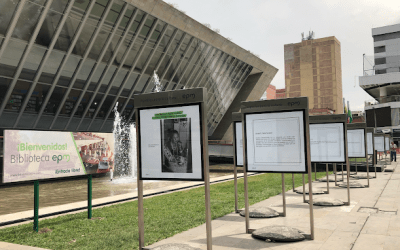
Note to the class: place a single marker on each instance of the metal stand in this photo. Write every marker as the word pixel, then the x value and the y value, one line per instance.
pixel 335 169
pixel 304 190
pixel 89 196
pixel 283 195
pixel 342 174
pixel 36 206
pixel 293 182
pixel 327 179
pixel 246 202
pixel 356 166
pixel 374 162
pixel 315 170
pixel 348 179
pixel 235 183
pixel 311 205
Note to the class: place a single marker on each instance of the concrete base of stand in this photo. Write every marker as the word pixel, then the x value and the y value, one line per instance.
pixel 326 201
pixel 175 246
pixel 261 212
pixel 299 190
pixel 363 176
pixel 352 184
pixel 278 234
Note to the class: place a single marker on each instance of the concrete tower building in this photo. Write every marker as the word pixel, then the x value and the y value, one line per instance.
pixel 313 68
pixel 383 82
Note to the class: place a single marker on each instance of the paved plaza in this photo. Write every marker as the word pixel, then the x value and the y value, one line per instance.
pixel 370 222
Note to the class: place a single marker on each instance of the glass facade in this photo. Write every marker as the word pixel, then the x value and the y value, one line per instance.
pixel 65 64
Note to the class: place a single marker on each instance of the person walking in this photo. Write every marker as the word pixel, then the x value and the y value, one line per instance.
pixel 392 151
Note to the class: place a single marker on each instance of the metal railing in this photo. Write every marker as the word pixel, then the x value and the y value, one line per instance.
pixel 380 100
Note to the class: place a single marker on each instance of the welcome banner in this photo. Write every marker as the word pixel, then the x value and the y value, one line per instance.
pixel 34 155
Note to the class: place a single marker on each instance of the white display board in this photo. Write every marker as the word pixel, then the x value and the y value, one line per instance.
pixel 170 143
pixel 239 144
pixel 275 142
pixel 387 143
pixel 370 147
pixel 327 142
pixel 379 143
pixel 356 143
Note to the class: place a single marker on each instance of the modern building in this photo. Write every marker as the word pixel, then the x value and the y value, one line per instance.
pixel 321 111
pixel 280 93
pixel 383 84
pixel 313 69
pixel 66 64
pixel 270 93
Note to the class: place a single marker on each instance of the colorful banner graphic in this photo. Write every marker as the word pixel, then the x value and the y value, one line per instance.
pixel 34 155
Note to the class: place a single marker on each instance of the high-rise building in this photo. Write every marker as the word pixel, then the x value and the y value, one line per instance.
pixel 65 64
pixel 313 69
pixel 280 93
pixel 383 82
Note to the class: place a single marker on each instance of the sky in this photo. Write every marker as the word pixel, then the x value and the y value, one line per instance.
pixel 264 26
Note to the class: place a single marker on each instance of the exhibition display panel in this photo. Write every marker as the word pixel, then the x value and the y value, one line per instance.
pixel 327 138
pixel 370 143
pixel 276 139
pixel 275 142
pixel 172 143
pixel 379 142
pixel 31 155
pixel 328 143
pixel 387 142
pixel 357 144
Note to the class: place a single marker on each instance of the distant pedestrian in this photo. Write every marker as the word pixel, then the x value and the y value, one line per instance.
pixel 393 152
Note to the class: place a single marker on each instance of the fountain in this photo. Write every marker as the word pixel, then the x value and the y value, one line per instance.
pixel 125 165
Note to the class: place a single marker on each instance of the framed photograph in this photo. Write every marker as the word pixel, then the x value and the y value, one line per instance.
pixel 327 143
pixel 170 143
pixel 238 143
pixel 370 145
pixel 275 141
pixel 379 143
pixel 356 143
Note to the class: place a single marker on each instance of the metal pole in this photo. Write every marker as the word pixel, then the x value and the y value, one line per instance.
pixel 304 190
pixel 140 190
pixel 315 170
pixel 374 162
pixel 342 174
pixel 335 169
pixel 293 182
pixel 366 156
pixel 283 195
pixel 36 206
pixel 246 200
pixel 89 192
pixel 327 178
pixel 356 165
pixel 348 180
pixel 236 191
pixel 310 201
pixel 206 175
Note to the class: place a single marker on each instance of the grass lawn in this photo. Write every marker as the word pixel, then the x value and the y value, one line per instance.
pixel 357 159
pixel 116 226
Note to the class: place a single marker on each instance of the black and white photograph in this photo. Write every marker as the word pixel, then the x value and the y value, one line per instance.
pixel 170 143
pixel 176 145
